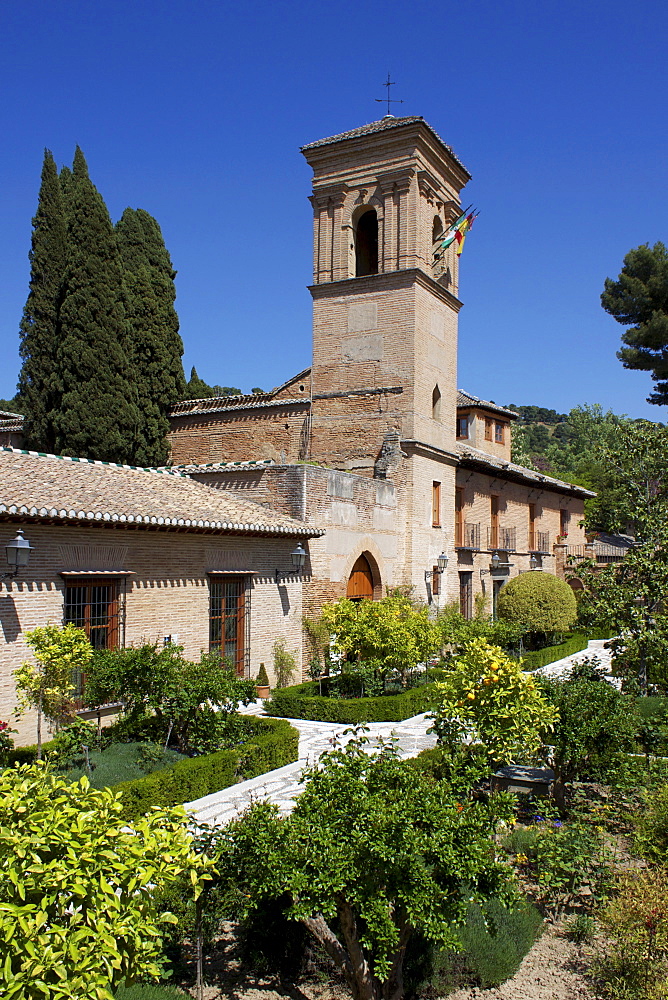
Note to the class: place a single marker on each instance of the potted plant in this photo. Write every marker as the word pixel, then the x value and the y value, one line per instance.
pixel 262 683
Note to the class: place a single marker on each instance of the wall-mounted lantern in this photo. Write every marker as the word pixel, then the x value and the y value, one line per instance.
pixel 18 554
pixel 441 566
pixel 534 561
pixel 298 557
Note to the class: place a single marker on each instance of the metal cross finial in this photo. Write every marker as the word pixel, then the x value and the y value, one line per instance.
pixel 382 100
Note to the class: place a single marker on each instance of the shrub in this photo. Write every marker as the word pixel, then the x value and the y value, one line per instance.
pixel 152 992
pixel 275 745
pixel 540 602
pixel 494 940
pixel 652 826
pixel 121 762
pixel 285 663
pixel 488 700
pixel 634 965
pixel 77 908
pixel 569 858
pixel 262 680
pixel 303 702
pixel 549 654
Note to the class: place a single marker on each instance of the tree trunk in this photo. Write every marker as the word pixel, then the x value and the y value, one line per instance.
pixel 393 987
pixel 365 986
pixel 361 985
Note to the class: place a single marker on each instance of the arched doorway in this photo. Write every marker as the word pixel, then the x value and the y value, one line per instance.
pixel 360 582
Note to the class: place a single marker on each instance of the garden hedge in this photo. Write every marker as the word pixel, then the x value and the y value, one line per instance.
pixel 24 755
pixel 301 702
pixel 541 657
pixel 274 746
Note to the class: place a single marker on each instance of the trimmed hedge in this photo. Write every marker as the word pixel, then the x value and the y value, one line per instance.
pixel 300 702
pixel 24 755
pixel 541 657
pixel 190 779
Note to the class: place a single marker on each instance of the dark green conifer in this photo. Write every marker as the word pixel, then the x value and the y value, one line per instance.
pixel 197 388
pixel 154 345
pixel 39 387
pixel 97 416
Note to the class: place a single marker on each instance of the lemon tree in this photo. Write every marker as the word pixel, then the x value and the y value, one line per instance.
pixel 489 700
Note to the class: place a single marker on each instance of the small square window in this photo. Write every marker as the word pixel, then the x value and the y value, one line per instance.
pixel 499 435
pixel 463 427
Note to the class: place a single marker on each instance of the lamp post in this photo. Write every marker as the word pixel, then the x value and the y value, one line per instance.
pixel 441 566
pixel 298 557
pixel 18 554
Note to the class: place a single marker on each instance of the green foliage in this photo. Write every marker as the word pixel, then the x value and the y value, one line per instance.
pixel 521 840
pixel 191 701
pixel 48 684
pixel 596 725
pixel 6 741
pixel 372 852
pixel 639 299
pixel 95 414
pixel 303 702
pixel 457 630
pixel 652 826
pixel 581 928
pixel 570 858
pixel 285 663
pixel 154 347
pixel 77 911
pixel 488 700
pixel 634 965
pixel 392 633
pixel 262 680
pixel 120 762
pixel 39 380
pixel 550 654
pixel 196 388
pixel 539 602
pixel 274 745
pixel 495 939
pixel 67 745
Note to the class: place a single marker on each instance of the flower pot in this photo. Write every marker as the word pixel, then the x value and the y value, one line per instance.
pixel 262 690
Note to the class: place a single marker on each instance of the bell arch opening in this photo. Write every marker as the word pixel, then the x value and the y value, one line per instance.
pixel 436 403
pixel 366 244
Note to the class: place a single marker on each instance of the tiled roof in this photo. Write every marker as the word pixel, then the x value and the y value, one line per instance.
pixel 50 487
pixel 219 403
pixel 388 122
pixel 466 399
pixel 187 469
pixel 8 414
pixel 496 465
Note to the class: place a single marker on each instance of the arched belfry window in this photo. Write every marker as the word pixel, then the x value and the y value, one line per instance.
pixel 436 237
pixel 366 244
pixel 436 403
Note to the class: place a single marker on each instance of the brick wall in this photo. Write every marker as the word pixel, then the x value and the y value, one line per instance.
pixel 166 593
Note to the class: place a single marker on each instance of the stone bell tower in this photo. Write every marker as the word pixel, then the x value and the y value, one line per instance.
pixel 384 298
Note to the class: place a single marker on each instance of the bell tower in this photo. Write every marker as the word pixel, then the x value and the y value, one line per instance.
pixel 384 297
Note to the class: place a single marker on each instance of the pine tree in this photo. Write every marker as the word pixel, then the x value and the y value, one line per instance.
pixel 154 345
pixel 97 416
pixel 39 387
pixel 639 296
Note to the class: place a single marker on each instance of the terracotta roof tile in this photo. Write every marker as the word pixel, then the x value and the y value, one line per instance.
pixel 225 403
pixel 388 122
pixel 53 487
pixel 497 465
pixel 467 399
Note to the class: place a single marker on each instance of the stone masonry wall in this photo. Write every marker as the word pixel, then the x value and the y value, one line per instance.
pixel 167 592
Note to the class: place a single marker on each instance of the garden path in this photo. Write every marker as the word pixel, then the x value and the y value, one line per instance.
pixel 596 648
pixel 283 785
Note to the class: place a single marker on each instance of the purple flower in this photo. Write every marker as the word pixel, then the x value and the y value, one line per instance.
pixel 557 823
pixel 539 819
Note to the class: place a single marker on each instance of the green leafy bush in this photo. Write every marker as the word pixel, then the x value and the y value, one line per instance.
pixel 121 762
pixel 634 965
pixel 522 840
pixel 285 663
pixel 652 826
pixel 570 857
pixel 494 940
pixel 550 654
pixel 540 602
pixel 303 702
pixel 262 680
pixel 275 745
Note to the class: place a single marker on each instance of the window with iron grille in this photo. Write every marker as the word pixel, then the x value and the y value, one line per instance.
pixel 92 603
pixel 229 620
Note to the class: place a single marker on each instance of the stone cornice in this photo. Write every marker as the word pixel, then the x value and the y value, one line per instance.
pixel 430 450
pixel 384 282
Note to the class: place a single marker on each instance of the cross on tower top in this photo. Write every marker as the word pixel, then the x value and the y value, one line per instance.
pixel 382 100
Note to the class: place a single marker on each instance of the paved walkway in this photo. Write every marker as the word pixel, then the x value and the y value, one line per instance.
pixel 283 785
pixel 595 648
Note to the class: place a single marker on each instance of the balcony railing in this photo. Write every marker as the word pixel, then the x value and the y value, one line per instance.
pixel 599 551
pixel 539 541
pixel 501 538
pixel 467 536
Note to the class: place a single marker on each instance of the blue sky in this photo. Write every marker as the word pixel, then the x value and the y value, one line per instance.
pixel 195 111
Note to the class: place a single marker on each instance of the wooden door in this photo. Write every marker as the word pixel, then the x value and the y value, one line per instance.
pixel 360 583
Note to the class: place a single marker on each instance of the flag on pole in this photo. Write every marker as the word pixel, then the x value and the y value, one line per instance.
pixel 458 230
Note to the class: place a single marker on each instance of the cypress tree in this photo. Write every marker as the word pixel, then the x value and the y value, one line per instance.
pixel 97 416
pixel 154 346
pixel 39 386
pixel 197 388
